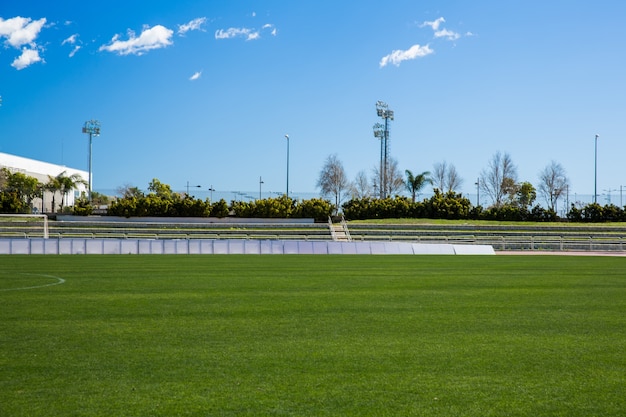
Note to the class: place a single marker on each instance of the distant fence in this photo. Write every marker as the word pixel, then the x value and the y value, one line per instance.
pixel 39 246
pixel 517 243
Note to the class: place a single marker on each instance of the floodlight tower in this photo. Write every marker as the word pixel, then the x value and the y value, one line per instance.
pixel 379 132
pixel 382 111
pixel 595 171
pixel 92 127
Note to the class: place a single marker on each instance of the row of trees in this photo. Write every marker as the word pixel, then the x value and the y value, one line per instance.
pixel 498 182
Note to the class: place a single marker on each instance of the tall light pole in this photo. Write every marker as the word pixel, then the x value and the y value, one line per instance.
pixel 382 111
pixel 287 137
pixel 196 186
pixel 477 183
pixel 595 172
pixel 260 184
pixel 211 189
pixel 92 127
pixel 379 132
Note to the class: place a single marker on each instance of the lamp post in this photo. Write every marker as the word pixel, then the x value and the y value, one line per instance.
pixel 287 137
pixel 477 184
pixel 595 172
pixel 197 186
pixel 608 194
pixel 211 189
pixel 260 184
pixel 92 127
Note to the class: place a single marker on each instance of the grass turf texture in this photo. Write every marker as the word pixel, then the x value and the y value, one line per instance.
pixel 313 335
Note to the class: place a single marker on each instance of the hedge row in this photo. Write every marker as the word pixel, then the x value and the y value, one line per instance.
pixel 454 206
pixel 153 205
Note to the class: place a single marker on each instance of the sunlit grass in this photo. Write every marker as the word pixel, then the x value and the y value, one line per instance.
pixel 313 335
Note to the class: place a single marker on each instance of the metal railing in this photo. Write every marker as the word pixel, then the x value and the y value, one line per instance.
pixel 514 243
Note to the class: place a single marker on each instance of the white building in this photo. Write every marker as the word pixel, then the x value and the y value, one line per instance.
pixel 42 171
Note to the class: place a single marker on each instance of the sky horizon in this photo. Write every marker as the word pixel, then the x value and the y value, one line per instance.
pixel 203 93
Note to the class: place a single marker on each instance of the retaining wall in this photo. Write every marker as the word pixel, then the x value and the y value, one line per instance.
pixel 38 246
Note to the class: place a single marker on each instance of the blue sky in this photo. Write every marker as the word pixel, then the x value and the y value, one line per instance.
pixel 204 91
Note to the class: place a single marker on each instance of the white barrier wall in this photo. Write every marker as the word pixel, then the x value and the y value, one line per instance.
pixel 229 246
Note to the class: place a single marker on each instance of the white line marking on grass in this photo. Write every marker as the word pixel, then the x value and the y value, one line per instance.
pixel 58 282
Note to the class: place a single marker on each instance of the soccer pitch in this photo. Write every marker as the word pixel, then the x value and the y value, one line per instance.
pixel 312 335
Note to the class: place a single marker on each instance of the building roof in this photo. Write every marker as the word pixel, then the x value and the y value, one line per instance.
pixel 38 168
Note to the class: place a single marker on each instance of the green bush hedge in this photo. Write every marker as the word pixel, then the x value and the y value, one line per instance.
pixel 153 205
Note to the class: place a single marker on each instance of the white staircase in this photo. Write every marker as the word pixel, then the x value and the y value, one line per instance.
pixel 339 231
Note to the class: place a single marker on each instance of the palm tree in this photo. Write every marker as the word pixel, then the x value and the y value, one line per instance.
pixel 53 185
pixel 63 184
pixel 414 183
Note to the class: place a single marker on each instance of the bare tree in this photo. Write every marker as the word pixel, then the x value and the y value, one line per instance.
pixel 454 179
pixel 553 183
pixel 445 177
pixel 395 178
pixel 439 175
pixel 497 179
pixel 361 187
pixel 333 179
pixel 129 191
pixel 394 181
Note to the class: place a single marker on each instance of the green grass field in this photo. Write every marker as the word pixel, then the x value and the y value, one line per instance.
pixel 312 336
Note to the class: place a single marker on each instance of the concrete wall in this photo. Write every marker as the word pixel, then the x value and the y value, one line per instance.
pixel 228 246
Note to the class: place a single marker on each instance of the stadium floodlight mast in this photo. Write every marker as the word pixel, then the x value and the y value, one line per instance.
pixel 91 127
pixel 287 137
pixel 595 172
pixel 379 133
pixel 382 111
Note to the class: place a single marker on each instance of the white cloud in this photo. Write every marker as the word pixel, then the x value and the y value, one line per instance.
pixel 448 34
pixel 195 24
pixel 248 33
pixel 155 37
pixel 434 24
pixel 71 40
pixel 76 49
pixel 28 57
pixel 271 28
pixel 397 56
pixel 195 76
pixel 441 33
pixel 21 31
